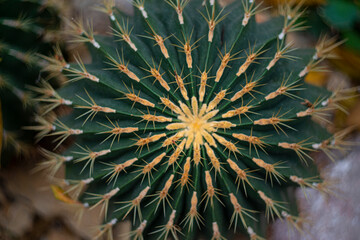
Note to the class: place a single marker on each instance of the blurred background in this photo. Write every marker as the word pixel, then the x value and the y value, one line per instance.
pixel 29 208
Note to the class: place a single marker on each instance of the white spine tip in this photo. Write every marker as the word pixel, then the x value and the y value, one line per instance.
pixel 325 103
pixel 143 12
pixel 86 205
pixel 285 214
pixel 304 72
pixel 212 2
pixel 316 145
pixel 112 17
pixel 95 44
pixel 89 180
pixel 68 158
pixel 281 35
pixel 250 231
pixel 113 221
pixel 68 102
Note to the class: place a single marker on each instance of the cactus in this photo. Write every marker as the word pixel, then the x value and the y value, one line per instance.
pixel 191 119
pixel 27 29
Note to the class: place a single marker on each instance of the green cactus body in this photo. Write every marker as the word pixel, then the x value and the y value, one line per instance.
pixel 25 31
pixel 190 116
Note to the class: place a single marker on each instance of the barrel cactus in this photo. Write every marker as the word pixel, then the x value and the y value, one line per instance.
pixel 192 119
pixel 27 29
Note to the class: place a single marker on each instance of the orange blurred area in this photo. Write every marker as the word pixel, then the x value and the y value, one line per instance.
pixel 61 195
pixel 348 62
pixel 317 78
pixel 354 116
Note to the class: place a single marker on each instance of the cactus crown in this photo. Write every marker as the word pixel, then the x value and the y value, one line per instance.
pixel 190 114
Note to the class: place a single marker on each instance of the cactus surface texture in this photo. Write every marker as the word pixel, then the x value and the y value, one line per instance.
pixel 27 29
pixel 192 119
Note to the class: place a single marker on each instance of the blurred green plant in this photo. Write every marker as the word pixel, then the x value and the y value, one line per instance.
pixel 27 30
pixel 344 17
pixel 339 19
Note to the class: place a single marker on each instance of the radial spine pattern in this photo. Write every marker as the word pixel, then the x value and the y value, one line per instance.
pixel 191 116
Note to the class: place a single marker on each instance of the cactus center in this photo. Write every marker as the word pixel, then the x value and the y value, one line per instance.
pixel 196 124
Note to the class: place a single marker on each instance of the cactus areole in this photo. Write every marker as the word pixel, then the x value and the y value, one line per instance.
pixel 192 119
